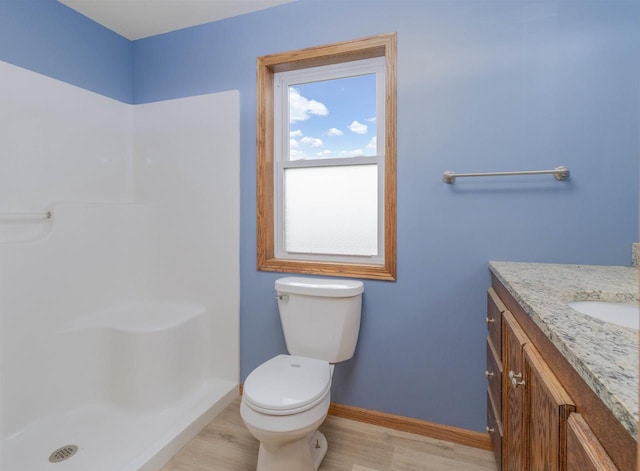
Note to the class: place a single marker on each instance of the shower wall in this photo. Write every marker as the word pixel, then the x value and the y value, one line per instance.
pixel 145 204
pixel 187 166
pixel 59 143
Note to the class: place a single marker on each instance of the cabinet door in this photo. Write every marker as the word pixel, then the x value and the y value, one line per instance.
pixel 513 398
pixel 549 407
pixel 584 451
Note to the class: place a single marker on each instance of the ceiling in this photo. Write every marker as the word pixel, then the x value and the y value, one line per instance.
pixel 136 19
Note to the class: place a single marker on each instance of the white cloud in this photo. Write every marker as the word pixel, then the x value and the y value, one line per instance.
pixel 334 132
pixel 372 120
pixel 301 108
pixel 312 141
pixel 358 128
pixel 293 144
pixel 351 153
pixel 296 154
pixel 296 133
pixel 324 153
pixel 373 143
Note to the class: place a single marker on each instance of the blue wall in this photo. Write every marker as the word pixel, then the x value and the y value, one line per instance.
pixel 49 38
pixel 482 85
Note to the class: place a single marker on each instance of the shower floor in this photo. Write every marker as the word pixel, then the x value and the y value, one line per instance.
pixel 111 438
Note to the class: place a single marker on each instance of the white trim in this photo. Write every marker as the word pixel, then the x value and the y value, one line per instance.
pixel 282 82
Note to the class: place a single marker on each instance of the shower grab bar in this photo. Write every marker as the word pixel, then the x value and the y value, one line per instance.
pixel 559 173
pixel 25 216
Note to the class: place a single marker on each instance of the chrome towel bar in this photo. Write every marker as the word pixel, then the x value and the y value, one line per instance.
pixel 24 216
pixel 559 173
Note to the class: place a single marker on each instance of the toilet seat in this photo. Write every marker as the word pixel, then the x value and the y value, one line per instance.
pixel 287 384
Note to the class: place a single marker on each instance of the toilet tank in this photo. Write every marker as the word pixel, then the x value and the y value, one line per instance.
pixel 320 316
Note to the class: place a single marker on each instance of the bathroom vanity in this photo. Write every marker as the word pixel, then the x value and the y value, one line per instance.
pixel 562 386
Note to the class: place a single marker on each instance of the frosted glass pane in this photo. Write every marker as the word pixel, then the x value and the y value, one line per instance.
pixel 332 210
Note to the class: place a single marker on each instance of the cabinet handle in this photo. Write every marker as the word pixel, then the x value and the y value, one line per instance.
pixel 491 429
pixel 489 374
pixel 514 377
pixel 515 383
pixel 488 320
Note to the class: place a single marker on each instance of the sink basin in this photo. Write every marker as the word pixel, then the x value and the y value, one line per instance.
pixel 624 314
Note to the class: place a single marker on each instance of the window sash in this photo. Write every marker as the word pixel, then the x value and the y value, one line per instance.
pixel 279 206
pixel 282 82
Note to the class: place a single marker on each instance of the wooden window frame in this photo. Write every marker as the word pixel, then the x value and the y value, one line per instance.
pixel 266 66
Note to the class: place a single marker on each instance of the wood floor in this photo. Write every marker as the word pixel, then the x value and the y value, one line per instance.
pixel 226 445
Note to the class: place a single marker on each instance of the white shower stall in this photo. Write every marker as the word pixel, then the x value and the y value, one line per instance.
pixel 119 273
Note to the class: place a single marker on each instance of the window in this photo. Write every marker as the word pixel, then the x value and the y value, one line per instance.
pixel 326 160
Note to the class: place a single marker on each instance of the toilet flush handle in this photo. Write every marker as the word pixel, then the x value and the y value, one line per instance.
pixel 282 297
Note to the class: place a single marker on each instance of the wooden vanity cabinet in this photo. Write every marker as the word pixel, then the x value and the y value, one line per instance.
pixel 540 394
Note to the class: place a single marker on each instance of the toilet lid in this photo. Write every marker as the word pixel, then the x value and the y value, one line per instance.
pixel 287 384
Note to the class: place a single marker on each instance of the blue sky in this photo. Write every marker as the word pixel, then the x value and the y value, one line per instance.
pixel 333 118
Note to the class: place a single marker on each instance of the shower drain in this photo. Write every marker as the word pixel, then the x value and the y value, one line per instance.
pixel 63 453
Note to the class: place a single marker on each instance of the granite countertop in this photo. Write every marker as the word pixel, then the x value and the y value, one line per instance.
pixel 604 354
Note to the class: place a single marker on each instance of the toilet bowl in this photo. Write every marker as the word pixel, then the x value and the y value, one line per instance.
pixel 284 402
pixel 287 398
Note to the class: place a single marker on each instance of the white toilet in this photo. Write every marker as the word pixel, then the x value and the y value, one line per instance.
pixel 286 398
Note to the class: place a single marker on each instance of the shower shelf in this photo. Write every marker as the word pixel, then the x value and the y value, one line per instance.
pixel 140 316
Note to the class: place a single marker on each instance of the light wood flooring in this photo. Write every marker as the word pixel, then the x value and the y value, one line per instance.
pixel 226 445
